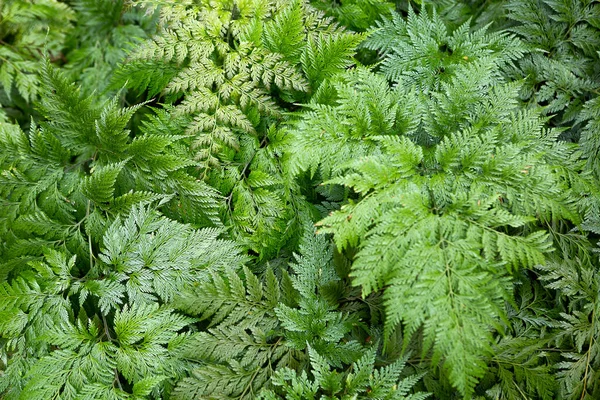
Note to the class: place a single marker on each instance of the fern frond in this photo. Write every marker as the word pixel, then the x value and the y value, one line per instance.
pixel 450 186
pixel 30 29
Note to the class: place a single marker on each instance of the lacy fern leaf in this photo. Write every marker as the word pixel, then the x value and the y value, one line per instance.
pixel 443 204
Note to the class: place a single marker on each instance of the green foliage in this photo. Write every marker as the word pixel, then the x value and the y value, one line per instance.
pixel 107 30
pixel 108 330
pixel 99 324
pixel 442 181
pixel 421 53
pixel 265 332
pixel 578 326
pixel 522 364
pixel 227 63
pixel 163 164
pixel 355 14
pixel 562 70
pixel 590 140
pixel 91 37
pixel 62 181
pixel 361 381
pixel 233 72
pixel 27 28
pixel 63 184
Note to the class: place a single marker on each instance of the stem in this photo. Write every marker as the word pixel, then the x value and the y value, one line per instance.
pixel 87 214
pixel 117 380
pixel 249 385
pixel 589 354
pixel 262 143
pixel 106 330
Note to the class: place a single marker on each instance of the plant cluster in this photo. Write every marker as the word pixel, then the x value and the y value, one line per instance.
pixel 324 199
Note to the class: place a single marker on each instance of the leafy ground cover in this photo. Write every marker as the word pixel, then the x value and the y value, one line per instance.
pixel 293 199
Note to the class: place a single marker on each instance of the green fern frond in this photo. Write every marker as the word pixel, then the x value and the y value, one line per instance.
pixel 422 52
pixel 455 189
pixel 28 30
pixel 132 334
pixel 357 15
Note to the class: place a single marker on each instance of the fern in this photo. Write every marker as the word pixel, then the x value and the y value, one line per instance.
pixel 65 186
pixel 360 382
pixel 421 52
pixel 589 140
pixel 561 68
pixel 522 364
pixel 27 28
pixel 578 325
pixel 106 31
pixel 122 337
pixel 262 331
pixel 233 54
pixel 82 167
pixel 449 185
pixel 162 164
pixel 234 72
pixel 358 15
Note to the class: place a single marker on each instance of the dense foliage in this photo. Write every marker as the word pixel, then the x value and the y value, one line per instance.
pixel 294 199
